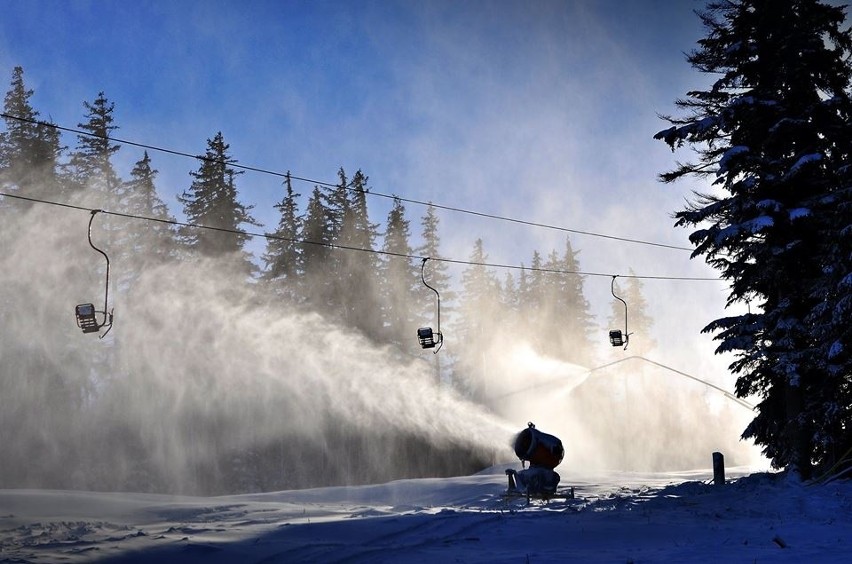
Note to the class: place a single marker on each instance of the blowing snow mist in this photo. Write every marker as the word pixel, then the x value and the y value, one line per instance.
pixel 204 385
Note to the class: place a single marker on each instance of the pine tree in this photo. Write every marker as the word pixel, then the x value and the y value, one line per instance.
pixel 567 317
pixel 509 298
pixel 212 201
pixel 523 286
pixel 282 251
pixel 531 298
pixel 91 162
pixel 583 323
pixel 336 206
pixel 399 281
pixel 478 312
pixel 336 203
pixel 773 133
pixel 522 321
pixel 436 271
pixel 91 174
pixel 552 314
pixel 149 242
pixel 358 291
pixel 29 149
pixel 314 252
pixel 535 287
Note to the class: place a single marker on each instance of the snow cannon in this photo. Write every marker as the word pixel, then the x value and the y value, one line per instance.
pixel 544 453
pixel 540 449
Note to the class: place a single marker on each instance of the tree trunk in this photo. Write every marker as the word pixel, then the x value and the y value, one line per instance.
pixel 798 437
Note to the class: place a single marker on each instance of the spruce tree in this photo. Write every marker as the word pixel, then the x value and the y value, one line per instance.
pixel 336 206
pixel 553 314
pixel 531 296
pixel 400 282
pixel 149 242
pixel 582 319
pixel 510 314
pixel 212 201
pixel 535 287
pixel 91 175
pixel 772 134
pixel 29 149
pixel 91 162
pixel 314 252
pixel 568 314
pixel 282 251
pixel 523 285
pixel 358 291
pixel 509 298
pixel 436 271
pixel 478 311
pixel 336 203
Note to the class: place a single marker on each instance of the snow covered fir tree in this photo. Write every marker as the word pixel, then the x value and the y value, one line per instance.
pixel 773 140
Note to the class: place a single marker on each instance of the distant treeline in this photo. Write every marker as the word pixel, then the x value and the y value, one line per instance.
pixel 326 258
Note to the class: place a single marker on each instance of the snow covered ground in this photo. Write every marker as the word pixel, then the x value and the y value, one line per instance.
pixel 617 517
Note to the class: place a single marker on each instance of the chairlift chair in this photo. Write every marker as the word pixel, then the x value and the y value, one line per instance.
pixel 428 338
pixel 616 337
pixel 86 314
pixel 86 318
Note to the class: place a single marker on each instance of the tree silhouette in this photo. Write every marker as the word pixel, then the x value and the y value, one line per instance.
pixel 399 281
pixel 282 251
pixel 29 150
pixel 772 133
pixel 212 201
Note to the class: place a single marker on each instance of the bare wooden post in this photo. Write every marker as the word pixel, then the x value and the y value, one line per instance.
pixel 718 469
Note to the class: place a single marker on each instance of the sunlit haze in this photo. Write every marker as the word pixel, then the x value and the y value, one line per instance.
pixel 542 112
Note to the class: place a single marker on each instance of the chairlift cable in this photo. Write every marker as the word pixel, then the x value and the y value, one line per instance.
pixel 331 185
pixel 561 379
pixel 269 236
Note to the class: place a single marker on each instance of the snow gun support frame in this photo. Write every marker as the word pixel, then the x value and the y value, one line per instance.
pixel 86 313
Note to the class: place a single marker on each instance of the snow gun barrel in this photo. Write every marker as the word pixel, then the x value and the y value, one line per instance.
pixel 540 449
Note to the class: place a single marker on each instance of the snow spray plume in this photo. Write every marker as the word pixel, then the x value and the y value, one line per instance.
pixel 631 416
pixel 203 386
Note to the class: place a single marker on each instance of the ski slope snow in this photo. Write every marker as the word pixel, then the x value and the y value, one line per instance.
pixel 615 517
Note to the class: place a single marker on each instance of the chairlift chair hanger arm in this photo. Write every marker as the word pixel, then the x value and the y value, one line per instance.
pixel 425 334
pixel 615 336
pixel 423 278
pixel 86 312
pixel 91 244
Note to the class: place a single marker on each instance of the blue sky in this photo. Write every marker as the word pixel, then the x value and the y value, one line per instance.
pixel 543 111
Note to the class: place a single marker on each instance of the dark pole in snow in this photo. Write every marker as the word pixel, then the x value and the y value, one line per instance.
pixel 718 469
